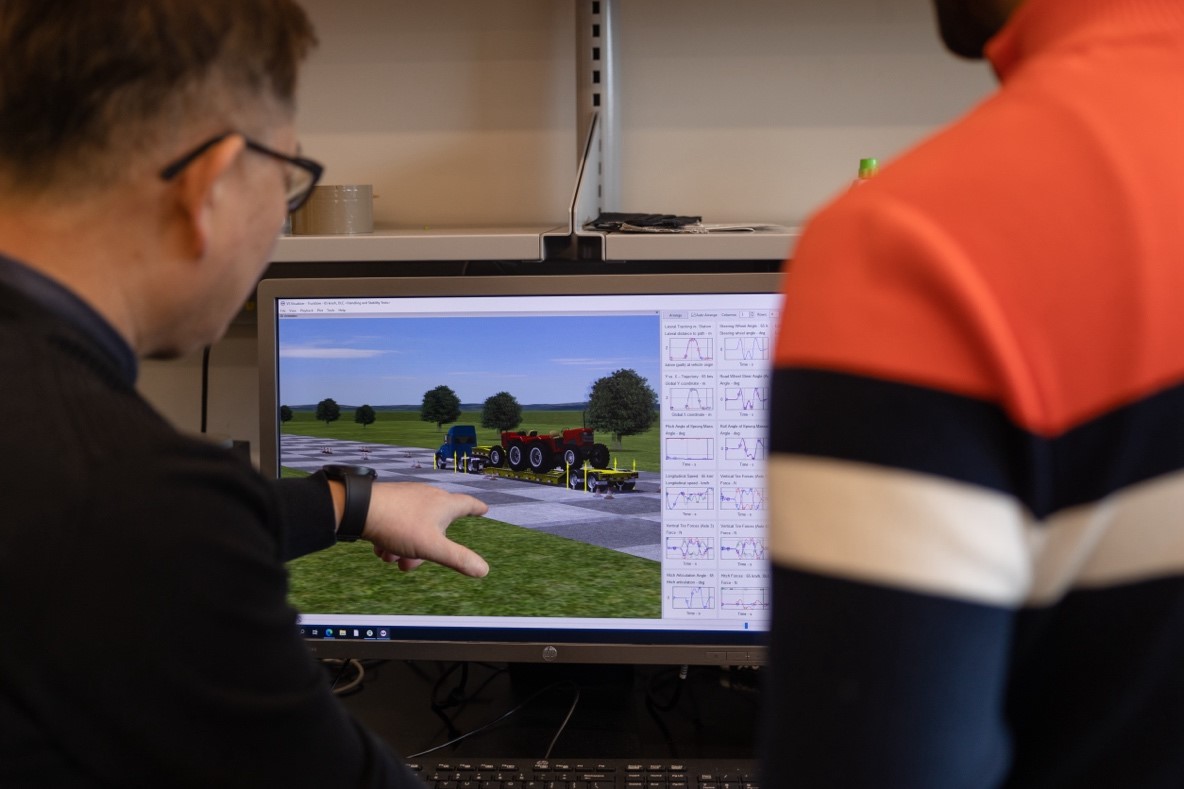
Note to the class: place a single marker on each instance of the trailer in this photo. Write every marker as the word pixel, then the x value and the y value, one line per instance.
pixel 586 477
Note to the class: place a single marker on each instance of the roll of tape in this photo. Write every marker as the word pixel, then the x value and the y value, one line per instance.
pixel 335 210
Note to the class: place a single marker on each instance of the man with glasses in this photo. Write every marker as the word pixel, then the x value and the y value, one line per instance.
pixel 147 162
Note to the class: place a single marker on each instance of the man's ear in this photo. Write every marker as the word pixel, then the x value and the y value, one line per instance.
pixel 198 188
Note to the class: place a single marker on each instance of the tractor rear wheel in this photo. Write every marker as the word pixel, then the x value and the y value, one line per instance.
pixel 540 458
pixel 598 457
pixel 516 455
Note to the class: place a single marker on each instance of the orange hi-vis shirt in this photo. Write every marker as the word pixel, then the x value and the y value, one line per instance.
pixel 977 484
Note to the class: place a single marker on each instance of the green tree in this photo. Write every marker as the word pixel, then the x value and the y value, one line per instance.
pixel 285 413
pixel 440 405
pixel 364 415
pixel 328 411
pixel 622 404
pixel 501 412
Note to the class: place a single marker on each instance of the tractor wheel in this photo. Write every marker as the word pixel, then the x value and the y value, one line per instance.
pixel 516 455
pixel 571 455
pixel 598 457
pixel 540 458
pixel 497 456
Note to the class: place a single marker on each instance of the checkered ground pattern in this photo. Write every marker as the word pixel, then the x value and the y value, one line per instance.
pixel 627 522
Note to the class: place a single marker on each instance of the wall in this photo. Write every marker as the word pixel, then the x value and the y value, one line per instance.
pixel 463 113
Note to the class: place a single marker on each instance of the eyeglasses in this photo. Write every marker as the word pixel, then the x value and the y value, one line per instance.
pixel 301 174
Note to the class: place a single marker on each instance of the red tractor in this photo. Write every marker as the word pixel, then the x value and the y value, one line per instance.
pixel 542 452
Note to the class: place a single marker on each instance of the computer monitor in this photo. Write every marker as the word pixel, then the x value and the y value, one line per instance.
pixel 614 424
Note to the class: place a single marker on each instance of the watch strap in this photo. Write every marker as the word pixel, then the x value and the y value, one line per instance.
pixel 357 481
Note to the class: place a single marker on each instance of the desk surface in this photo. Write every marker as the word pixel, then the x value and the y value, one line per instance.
pixel 621 711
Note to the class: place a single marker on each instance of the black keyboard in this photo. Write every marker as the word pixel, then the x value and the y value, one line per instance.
pixel 472 773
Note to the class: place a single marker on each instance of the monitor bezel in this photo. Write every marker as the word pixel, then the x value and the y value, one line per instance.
pixel 510 645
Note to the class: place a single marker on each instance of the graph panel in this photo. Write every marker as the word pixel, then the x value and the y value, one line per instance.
pixel 746 349
pixel 699 448
pixel 742 499
pixel 692 598
pixel 690 498
pixel 689 349
pixel 746 398
pixel 691 398
pixel 741 549
pixel 694 549
pixel 743 599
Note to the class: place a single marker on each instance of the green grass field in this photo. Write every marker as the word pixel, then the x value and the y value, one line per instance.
pixel 531 574
pixel 404 428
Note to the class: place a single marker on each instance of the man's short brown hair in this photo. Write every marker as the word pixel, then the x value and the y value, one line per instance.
pixel 87 85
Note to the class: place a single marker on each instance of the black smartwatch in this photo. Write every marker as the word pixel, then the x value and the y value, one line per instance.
pixel 357 481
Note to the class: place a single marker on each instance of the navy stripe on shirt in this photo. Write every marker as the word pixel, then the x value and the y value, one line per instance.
pixel 851 417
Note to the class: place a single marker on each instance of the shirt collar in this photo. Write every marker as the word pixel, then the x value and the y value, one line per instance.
pixel 66 305
pixel 1040 25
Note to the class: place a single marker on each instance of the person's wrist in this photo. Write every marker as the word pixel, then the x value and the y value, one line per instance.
pixel 357 481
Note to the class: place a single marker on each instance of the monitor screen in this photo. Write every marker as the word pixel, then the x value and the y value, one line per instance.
pixel 614 424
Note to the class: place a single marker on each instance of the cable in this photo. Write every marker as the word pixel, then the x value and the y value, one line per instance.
pixel 504 716
pixel 353 684
pixel 656 708
pixel 205 386
pixel 570 711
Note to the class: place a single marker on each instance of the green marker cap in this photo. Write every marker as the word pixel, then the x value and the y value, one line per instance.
pixel 867 167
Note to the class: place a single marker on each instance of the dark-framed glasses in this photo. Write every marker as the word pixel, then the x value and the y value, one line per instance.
pixel 301 174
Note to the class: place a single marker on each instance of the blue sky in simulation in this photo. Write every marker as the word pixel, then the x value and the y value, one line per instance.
pixel 394 361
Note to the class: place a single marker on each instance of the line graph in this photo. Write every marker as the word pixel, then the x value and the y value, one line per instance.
pixel 742 499
pixel 745 448
pixel 690 498
pixel 746 398
pixel 741 549
pixel 746 349
pixel 690 448
pixel 744 599
pixel 689 349
pixel 695 549
pixel 692 598
pixel 683 398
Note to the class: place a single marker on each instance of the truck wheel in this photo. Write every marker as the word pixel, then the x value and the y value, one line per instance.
pixel 516 456
pixel 441 461
pixel 598 457
pixel 540 458
pixel 576 480
pixel 571 455
pixel 497 456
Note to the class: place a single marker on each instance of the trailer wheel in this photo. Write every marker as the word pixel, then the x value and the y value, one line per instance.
pixel 497 456
pixel 598 456
pixel 575 480
pixel 516 456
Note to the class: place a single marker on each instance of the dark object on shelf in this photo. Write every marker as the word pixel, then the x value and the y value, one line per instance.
pixel 643 222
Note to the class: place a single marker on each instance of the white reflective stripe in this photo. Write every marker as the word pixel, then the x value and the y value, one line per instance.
pixel 898 528
pixel 932 535
pixel 1137 534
